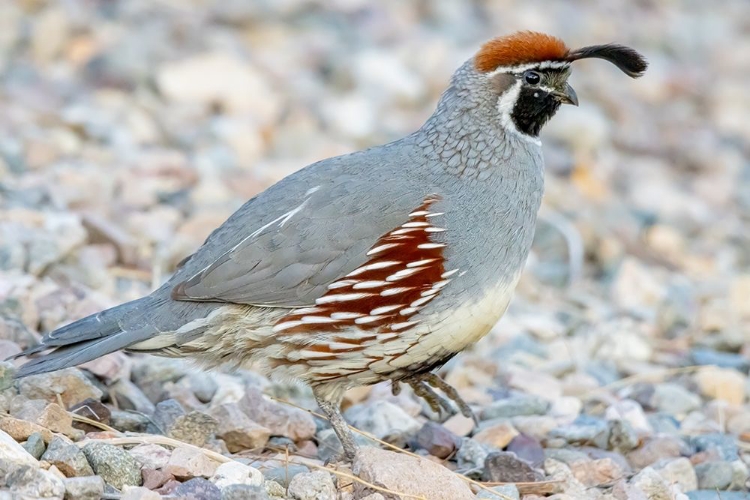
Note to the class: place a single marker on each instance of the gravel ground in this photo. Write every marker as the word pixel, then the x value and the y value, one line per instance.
pixel 130 129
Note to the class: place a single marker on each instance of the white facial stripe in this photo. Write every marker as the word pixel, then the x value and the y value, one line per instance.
pixel 505 104
pixel 507 100
pixel 523 67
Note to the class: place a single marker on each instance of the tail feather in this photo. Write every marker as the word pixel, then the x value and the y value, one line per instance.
pixel 91 327
pixel 78 353
pixel 86 339
pixel 121 327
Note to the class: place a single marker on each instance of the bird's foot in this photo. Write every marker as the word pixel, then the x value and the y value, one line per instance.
pixel 342 458
pixel 423 385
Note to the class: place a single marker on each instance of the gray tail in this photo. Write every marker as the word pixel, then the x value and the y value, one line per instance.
pixel 89 338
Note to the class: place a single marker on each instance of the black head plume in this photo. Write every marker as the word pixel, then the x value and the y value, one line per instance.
pixel 628 60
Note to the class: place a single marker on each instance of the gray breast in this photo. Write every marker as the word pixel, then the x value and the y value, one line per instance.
pixel 490 221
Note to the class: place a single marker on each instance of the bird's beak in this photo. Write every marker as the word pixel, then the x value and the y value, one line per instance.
pixel 567 95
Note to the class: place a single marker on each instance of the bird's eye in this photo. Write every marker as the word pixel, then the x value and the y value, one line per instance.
pixel 532 77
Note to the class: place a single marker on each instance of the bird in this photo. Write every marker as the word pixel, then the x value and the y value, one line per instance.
pixel 378 265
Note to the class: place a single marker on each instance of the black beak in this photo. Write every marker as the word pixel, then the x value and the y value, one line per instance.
pixel 567 95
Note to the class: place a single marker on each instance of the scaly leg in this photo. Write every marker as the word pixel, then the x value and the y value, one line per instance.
pixel 340 427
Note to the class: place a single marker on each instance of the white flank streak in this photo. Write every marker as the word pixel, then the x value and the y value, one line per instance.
pixel 419 213
pixel 367 319
pixel 404 273
pixel 317 319
pixel 312 190
pixel 307 310
pixel 430 246
pixel 343 297
pixel 385 309
pixel 342 284
pixel 369 284
pixel 432 291
pixel 440 284
pixel 404 231
pixel 373 266
pixel 420 263
pixel 382 248
pixel 394 291
pixel 415 224
pixel 448 274
pixel 401 326
pixel 286 325
pixel 435 214
pixel 434 230
pixel 345 315
pixel 408 311
pixel 422 301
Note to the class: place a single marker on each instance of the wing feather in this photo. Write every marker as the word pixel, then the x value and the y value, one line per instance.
pixel 295 245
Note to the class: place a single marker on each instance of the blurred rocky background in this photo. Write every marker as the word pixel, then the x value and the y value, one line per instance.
pixel 129 129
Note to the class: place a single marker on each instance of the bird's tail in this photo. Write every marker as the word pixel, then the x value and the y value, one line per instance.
pixel 89 338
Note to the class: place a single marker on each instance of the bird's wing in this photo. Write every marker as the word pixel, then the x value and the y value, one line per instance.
pixel 283 248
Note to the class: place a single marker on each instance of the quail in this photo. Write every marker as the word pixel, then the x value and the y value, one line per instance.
pixel 377 265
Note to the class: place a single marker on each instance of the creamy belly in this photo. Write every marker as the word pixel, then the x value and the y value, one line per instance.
pixel 446 334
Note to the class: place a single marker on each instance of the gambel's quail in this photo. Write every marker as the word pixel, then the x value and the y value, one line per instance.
pixel 377 265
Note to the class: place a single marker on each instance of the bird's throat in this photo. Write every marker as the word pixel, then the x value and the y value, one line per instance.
pixel 532 111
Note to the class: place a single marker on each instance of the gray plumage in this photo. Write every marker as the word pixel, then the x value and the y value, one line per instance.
pixel 490 184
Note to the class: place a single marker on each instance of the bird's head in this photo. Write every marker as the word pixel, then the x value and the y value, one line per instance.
pixel 526 74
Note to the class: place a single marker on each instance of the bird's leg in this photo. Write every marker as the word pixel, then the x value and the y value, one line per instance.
pixel 340 427
pixel 452 394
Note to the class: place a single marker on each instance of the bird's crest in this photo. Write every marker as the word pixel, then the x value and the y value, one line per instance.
pixel 530 47
pixel 519 48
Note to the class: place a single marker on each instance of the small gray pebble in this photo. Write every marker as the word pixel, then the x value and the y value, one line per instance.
pixel 113 464
pixel 724 444
pixel 508 490
pixel 35 445
pixel 718 495
pixel 515 406
pixel 244 492
pixel 284 475
pixel 129 421
pixel 84 488
pixel 714 475
pixel 197 489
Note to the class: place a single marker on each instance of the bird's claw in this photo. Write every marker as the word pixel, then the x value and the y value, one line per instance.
pixel 423 385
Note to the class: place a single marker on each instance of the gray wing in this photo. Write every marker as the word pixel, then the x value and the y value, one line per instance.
pixel 285 246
